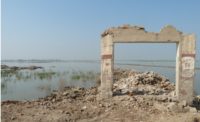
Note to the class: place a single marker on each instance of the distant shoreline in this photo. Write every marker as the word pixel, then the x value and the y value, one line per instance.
pixel 84 60
pixel 117 62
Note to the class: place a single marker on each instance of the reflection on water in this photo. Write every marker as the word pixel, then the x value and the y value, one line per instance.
pixel 33 84
pixel 27 75
pixel 46 88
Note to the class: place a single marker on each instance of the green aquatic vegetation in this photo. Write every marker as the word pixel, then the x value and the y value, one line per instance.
pixel 44 75
pixel 84 76
pixel 23 76
pixel 8 73
pixel 65 73
pixel 28 75
pixel 58 74
pixel 75 77
pixel 18 76
pixel 3 85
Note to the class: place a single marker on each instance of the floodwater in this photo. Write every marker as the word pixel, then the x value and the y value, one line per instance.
pixel 34 84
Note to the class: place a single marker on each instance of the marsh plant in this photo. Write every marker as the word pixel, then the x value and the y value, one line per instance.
pixel 45 74
pixel 25 75
pixel 84 75
pixel 8 72
pixel 3 87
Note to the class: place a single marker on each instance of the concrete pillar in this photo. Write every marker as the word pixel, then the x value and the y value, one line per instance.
pixel 185 69
pixel 106 67
pixel 178 67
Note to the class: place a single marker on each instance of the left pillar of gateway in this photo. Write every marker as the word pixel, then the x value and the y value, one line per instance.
pixel 107 66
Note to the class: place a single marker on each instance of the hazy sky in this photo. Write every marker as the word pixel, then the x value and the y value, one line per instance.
pixel 70 29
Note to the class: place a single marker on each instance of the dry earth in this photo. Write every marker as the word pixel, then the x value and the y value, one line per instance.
pixel 138 97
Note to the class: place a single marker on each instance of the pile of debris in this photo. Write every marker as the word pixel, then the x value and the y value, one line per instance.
pixel 149 83
pixel 152 87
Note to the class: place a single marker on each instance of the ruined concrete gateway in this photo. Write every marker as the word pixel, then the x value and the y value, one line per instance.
pixel 185 56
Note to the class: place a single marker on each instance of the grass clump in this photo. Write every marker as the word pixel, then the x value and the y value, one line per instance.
pixel 44 75
pixel 83 75
pixel 8 73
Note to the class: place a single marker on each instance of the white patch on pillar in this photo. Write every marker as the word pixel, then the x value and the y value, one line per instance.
pixel 187 67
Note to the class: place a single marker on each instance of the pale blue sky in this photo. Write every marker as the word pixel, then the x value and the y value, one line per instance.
pixel 70 29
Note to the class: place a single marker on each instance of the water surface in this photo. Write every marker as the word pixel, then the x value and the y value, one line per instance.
pixel 34 84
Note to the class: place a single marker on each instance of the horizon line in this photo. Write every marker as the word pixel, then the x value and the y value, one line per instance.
pixel 87 60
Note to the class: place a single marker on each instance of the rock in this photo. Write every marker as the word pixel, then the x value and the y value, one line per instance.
pixel 172 107
pixel 162 98
pixel 53 100
pixel 65 93
pixel 150 103
pixel 90 98
pixel 183 103
pixel 196 102
pixel 172 94
pixel 172 99
pixel 139 91
pixel 73 96
pixel 161 107
pixel 181 107
pixel 13 118
pixel 101 105
pixel 83 108
pixel 192 110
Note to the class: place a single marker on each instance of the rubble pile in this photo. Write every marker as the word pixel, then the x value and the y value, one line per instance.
pixel 143 83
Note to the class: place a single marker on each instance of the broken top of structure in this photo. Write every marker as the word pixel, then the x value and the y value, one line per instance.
pixel 138 33
pixel 112 30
